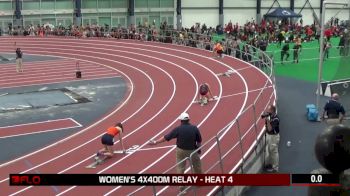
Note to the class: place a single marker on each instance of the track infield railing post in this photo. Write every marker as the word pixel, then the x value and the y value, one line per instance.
pixel 240 142
pixel 255 127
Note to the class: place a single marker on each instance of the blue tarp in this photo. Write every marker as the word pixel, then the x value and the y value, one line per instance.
pixel 282 13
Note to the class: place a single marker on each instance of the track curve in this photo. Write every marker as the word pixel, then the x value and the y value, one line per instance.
pixel 163 81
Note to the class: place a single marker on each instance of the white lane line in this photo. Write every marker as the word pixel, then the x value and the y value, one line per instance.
pixel 53 71
pixel 241 93
pixel 39 65
pixel 70 74
pixel 36 132
pixel 52 66
pixel 156 148
pixel 37 62
pixel 258 89
pixel 41 122
pixel 76 122
pixel 44 131
pixel 64 79
pixel 68 80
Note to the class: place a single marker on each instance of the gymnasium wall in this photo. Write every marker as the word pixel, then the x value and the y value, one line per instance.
pixel 206 11
pixel 109 12
pixel 114 12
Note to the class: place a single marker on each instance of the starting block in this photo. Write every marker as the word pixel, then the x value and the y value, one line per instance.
pixel 127 151
pixel 203 101
pixel 98 161
pixel 228 73
pixel 212 99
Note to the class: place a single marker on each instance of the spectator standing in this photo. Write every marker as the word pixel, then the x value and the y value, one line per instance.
pixel 298 42
pixel 285 51
pixel 327 45
pixel 19 61
pixel 272 122
pixel 246 55
pixel 291 37
pixel 280 38
pixel 188 139
pixel 328 34
pixel 334 110
pixel 296 51
pixel 342 45
pixel 263 44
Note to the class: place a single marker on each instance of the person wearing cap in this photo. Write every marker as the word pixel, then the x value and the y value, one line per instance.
pixel 272 122
pixel 107 140
pixel 188 139
pixel 334 110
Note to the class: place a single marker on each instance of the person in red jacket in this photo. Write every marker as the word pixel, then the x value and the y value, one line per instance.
pixel 328 34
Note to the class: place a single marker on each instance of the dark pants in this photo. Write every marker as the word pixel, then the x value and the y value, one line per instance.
pixel 107 140
pixel 296 56
pixel 282 55
pixel 181 166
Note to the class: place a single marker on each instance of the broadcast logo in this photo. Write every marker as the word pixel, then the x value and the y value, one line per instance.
pixel 25 180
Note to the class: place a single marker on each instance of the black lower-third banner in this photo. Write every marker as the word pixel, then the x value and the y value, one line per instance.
pixel 171 179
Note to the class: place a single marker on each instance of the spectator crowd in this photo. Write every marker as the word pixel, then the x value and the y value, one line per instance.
pixel 237 40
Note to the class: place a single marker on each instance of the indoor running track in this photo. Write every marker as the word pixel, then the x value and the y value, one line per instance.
pixel 162 82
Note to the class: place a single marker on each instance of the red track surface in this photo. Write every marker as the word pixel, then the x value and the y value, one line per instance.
pixel 50 71
pixel 37 127
pixel 163 81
